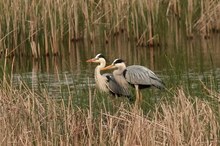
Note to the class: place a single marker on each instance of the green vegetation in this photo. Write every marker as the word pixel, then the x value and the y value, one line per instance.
pixel 29 118
pixel 43 24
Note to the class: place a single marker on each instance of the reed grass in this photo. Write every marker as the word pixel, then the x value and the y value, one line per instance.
pixel 47 23
pixel 30 118
pixel 209 20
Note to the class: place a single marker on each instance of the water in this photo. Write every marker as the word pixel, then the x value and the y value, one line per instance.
pixel 179 62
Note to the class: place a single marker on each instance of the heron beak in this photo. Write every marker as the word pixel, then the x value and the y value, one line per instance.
pixel 91 60
pixel 108 67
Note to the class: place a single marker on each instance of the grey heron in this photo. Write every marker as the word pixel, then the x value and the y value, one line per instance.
pixel 106 82
pixel 138 76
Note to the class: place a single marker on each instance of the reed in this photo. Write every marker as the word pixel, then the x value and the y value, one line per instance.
pixel 48 23
pixel 30 118
pixel 209 18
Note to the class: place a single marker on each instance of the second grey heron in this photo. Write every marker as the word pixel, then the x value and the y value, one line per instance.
pixel 138 76
pixel 106 82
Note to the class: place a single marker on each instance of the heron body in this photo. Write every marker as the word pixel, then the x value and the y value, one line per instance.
pixel 138 76
pixel 114 88
pixel 142 76
pixel 106 82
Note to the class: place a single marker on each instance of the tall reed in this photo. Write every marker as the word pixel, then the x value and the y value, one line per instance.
pixel 29 118
pixel 47 23
pixel 209 19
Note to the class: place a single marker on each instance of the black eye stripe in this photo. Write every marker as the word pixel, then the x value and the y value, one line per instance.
pixel 100 56
pixel 118 61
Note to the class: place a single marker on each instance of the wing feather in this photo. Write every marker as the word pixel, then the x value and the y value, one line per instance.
pixel 114 87
pixel 140 75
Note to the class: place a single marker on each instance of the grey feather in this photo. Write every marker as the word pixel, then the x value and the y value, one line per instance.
pixel 142 76
pixel 114 87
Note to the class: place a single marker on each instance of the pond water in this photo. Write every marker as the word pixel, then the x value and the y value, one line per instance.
pixel 179 62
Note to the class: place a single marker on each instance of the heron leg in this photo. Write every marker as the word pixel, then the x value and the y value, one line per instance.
pixel 141 97
pixel 137 95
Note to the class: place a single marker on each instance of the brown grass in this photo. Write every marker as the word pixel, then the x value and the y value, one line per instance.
pixel 28 118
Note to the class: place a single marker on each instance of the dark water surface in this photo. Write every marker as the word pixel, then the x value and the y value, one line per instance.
pixel 179 62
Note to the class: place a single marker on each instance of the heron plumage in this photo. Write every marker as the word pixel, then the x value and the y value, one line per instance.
pixel 142 76
pixel 138 76
pixel 106 82
pixel 114 87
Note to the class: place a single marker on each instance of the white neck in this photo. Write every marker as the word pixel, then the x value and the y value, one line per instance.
pixel 120 69
pixel 99 67
pixel 100 80
pixel 119 77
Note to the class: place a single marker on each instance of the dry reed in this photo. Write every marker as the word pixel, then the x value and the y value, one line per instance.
pixel 209 20
pixel 28 118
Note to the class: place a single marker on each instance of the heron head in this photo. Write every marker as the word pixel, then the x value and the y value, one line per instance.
pixel 117 63
pixel 99 58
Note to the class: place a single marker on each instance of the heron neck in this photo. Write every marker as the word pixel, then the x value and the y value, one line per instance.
pixel 98 68
pixel 120 70
pixel 119 77
pixel 100 80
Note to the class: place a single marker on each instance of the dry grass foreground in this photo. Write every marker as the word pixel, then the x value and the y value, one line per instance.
pixel 30 119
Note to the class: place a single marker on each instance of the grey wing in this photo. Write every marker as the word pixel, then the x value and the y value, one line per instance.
pixel 140 75
pixel 114 87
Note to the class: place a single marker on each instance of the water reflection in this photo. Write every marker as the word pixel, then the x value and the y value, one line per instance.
pixel 56 85
pixel 180 62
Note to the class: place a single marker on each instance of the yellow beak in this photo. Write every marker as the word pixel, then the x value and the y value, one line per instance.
pixel 108 67
pixel 91 60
